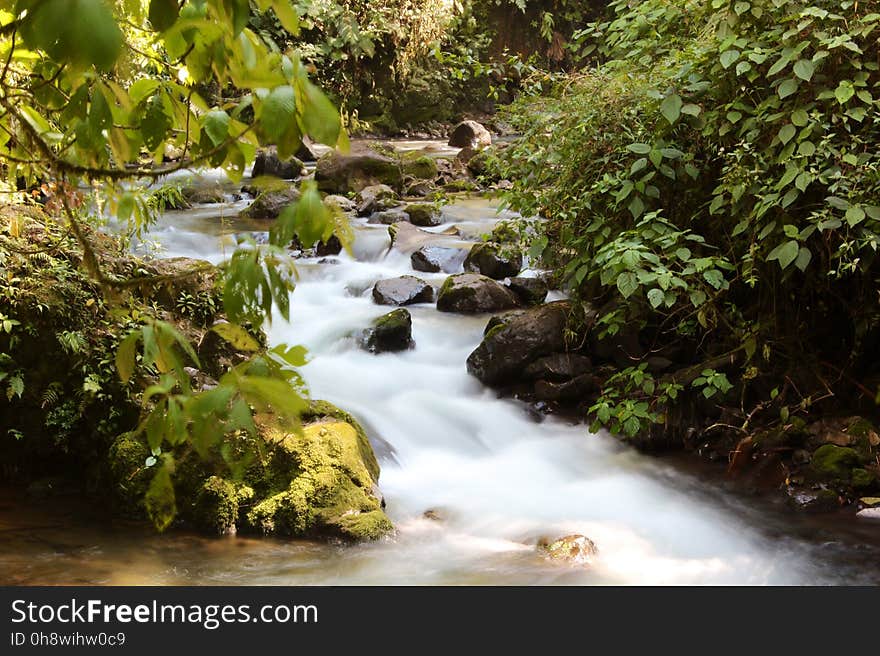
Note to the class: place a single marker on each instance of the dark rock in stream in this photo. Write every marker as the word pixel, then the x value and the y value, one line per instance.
pixel 531 291
pixel 424 215
pixel 268 163
pixel 508 350
pixel 375 198
pixel 433 259
pixel 389 333
pixel 470 134
pixel 402 291
pixel 493 260
pixel 269 204
pixel 471 293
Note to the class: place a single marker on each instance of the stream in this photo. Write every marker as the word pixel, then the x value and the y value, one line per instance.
pixel 497 479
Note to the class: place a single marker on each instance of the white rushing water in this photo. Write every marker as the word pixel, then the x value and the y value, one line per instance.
pixel 498 479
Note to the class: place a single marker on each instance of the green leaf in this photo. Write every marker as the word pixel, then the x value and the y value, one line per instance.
pixel 278 110
pixel 804 69
pixel 160 500
pixel 671 108
pixel 787 88
pixel 216 126
pixel 639 148
pixel 163 14
pixel 800 118
pixel 728 57
pixel 320 120
pixel 785 253
pixel 855 215
pixel 125 356
pixel 844 92
pixel 803 258
pixel 81 32
pixel 787 133
pixel 655 297
pixel 237 336
pixel 627 283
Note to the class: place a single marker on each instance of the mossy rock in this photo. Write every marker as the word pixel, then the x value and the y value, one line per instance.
pixel 126 461
pixel 419 166
pixel 216 505
pixel 330 474
pixel 834 463
pixel 424 214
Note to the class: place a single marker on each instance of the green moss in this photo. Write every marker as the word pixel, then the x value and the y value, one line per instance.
pixel 126 459
pixel 331 471
pixel 834 462
pixel 862 478
pixel 215 508
pixel 418 166
pixel 363 526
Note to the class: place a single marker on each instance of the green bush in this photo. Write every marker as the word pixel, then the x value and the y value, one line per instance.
pixel 714 174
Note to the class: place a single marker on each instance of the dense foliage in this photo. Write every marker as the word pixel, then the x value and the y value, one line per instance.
pixel 712 178
pixel 94 94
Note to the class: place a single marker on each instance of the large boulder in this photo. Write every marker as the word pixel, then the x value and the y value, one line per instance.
pixel 471 293
pixel 270 203
pixel 402 291
pixel 337 173
pixel 389 333
pixel 470 134
pixel 375 198
pixel 268 163
pixel 507 350
pixel 433 259
pixel 493 260
pixel 319 481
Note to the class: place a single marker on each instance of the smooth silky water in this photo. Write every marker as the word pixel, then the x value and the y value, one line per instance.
pixel 497 479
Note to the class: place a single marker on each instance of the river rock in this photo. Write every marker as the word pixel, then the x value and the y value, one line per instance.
pixel 571 549
pixel 470 134
pixel 340 202
pixel 559 367
pixel 509 349
pixel 472 293
pixel 389 217
pixel 204 195
pixel 390 332
pixel 869 513
pixel 424 215
pixel 337 173
pixel 268 163
pixel 569 391
pixel 375 198
pixel 403 291
pixel 269 204
pixel 493 260
pixel 330 247
pixel 501 320
pixel 531 291
pixel 306 151
pixel 433 259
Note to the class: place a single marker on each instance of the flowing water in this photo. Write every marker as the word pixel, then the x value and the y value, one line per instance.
pixel 497 479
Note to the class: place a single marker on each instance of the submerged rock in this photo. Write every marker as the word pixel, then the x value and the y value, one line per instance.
pixel 389 333
pixel 472 293
pixel 493 260
pixel 571 550
pixel 268 163
pixel 433 259
pixel 340 202
pixel 403 291
pixel 470 134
